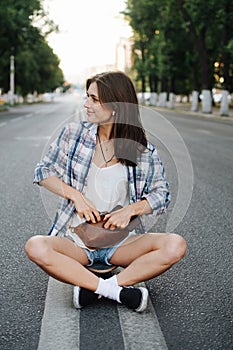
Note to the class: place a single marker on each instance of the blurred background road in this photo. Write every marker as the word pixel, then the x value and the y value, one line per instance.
pixel 192 301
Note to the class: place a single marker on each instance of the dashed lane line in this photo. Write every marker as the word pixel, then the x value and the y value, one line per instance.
pixel 16 119
pixel 32 138
pixel 60 329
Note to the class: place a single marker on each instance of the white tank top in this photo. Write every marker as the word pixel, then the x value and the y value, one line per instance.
pixel 106 188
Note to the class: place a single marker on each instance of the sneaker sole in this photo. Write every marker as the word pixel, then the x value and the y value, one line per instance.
pixel 144 301
pixel 76 291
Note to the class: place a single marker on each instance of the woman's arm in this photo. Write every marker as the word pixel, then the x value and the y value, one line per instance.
pixel 156 190
pixel 57 186
pixel 84 207
pixel 140 208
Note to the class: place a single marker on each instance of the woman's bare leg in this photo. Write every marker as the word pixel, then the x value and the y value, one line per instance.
pixel 61 259
pixel 147 256
pixel 144 257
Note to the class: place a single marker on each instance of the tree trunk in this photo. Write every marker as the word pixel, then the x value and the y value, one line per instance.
pixel 172 84
pixel 205 74
pixel 163 93
pixel 162 99
pixel 153 82
pixel 143 88
pixel 153 98
pixel 171 98
pixel 195 76
pixel 224 108
pixel 206 101
pixel 143 81
pixel 171 102
pixel 205 65
pixel 164 84
pixel 194 106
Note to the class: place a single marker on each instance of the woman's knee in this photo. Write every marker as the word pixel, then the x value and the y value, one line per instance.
pixel 37 249
pixel 175 248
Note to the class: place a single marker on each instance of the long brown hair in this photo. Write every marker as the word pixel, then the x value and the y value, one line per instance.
pixel 116 90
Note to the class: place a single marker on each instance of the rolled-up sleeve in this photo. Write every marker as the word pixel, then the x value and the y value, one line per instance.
pixel 55 161
pixel 156 190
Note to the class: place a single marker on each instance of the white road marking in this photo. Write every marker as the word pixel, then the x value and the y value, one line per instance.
pixel 15 119
pixel 203 131
pixel 60 323
pixel 31 138
pixel 11 121
pixel 60 329
pixel 141 330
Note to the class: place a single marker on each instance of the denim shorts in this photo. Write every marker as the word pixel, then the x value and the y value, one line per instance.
pixel 102 255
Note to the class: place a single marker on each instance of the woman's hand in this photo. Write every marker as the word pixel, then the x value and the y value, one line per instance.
pixel 119 218
pixel 85 208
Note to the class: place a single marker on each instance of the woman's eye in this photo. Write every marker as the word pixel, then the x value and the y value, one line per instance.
pixel 93 97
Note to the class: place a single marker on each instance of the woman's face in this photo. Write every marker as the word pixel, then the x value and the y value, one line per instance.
pixel 96 112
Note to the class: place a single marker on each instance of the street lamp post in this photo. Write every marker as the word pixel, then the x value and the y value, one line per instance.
pixel 12 79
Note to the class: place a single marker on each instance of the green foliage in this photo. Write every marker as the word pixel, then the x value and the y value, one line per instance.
pixel 180 41
pixel 36 66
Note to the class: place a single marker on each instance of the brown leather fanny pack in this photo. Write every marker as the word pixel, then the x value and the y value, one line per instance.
pixel 94 235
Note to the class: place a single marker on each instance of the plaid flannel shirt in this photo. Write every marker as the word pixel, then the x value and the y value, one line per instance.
pixel 69 158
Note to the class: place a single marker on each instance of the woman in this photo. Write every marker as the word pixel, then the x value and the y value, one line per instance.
pixel 94 166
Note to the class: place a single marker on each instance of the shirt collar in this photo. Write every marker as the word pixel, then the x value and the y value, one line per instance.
pixel 92 128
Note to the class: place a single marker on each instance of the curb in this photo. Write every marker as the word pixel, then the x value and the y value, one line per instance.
pixel 195 114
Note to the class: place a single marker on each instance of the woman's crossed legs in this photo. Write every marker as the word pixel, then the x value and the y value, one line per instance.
pixel 143 256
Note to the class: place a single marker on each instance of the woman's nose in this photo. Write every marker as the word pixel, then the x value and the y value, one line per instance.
pixel 86 102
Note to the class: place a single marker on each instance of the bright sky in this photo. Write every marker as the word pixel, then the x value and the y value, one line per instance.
pixel 89 32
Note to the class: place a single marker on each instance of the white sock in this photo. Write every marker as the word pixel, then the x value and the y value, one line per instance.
pixel 113 280
pixel 108 289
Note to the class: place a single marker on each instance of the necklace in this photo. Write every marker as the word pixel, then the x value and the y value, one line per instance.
pixel 102 151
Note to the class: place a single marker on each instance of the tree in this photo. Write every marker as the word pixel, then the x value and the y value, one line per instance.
pixel 19 36
pixel 224 59
pixel 37 67
pixel 184 45
pixel 173 51
pixel 159 43
pixel 143 25
pixel 200 20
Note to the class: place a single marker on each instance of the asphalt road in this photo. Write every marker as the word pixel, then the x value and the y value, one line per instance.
pixel 192 301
